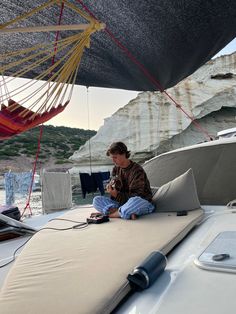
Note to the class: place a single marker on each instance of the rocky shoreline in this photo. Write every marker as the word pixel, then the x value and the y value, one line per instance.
pixel 150 124
pixel 23 163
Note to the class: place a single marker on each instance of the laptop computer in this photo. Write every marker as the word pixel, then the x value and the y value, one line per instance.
pixel 11 228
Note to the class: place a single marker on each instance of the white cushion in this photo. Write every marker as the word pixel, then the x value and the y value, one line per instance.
pixel 177 195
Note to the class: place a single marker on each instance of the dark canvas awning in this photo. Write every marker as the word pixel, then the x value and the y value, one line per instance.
pixel 169 38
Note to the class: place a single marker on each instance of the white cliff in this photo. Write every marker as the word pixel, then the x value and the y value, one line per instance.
pixel 151 123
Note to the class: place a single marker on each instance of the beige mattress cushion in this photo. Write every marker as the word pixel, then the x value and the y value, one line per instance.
pixel 83 271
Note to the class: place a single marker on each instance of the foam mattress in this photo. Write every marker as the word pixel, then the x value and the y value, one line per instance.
pixel 85 270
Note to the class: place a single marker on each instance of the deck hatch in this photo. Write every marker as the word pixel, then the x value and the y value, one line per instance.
pixel 220 254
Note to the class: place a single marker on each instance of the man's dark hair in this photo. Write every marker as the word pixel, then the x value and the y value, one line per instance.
pixel 118 148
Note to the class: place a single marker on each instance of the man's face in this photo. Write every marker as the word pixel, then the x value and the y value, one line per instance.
pixel 118 159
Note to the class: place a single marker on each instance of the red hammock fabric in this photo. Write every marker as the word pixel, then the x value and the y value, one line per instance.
pixel 12 123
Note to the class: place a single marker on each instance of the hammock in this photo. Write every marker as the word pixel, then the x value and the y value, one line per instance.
pixel 12 123
pixel 26 104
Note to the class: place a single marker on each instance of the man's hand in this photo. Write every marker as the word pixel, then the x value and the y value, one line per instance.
pixel 111 190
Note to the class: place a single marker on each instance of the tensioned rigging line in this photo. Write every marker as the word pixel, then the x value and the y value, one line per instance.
pixel 147 73
pixel 33 174
pixel 41 127
pixel 89 142
pixel 67 73
pixel 57 35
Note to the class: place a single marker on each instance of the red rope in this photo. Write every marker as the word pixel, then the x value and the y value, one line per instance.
pixel 41 127
pixel 57 35
pixel 148 74
pixel 34 170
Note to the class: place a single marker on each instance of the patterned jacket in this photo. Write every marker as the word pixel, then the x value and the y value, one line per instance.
pixel 131 181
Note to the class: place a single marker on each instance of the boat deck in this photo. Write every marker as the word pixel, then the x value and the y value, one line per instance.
pixel 8 247
pixel 184 287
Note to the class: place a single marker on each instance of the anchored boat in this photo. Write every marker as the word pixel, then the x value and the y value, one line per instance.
pixel 181 258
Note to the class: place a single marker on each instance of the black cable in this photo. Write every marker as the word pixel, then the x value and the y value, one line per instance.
pixel 80 225
pixel 14 254
pixel 79 222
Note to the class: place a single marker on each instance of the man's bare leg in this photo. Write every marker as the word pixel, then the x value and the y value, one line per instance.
pixel 114 213
pixel 133 216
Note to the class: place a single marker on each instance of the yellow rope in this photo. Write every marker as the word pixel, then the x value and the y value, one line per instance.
pixel 39 77
pixel 28 14
pixel 48 4
pixel 42 60
pixel 39 62
pixel 80 12
pixel 48 49
pixel 41 45
pixel 60 77
pixel 66 71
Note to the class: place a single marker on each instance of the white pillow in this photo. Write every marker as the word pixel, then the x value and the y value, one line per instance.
pixel 154 189
pixel 177 195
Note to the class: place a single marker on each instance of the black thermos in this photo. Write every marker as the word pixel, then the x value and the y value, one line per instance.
pixel 147 272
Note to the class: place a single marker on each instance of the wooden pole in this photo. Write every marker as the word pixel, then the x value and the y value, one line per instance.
pixel 48 28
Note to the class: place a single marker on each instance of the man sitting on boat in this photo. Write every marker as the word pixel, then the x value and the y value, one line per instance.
pixel 129 188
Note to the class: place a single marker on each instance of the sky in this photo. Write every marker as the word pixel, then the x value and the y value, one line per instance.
pixel 88 108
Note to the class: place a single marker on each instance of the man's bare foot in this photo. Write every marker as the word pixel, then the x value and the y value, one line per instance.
pixel 97 214
pixel 133 216
pixel 113 213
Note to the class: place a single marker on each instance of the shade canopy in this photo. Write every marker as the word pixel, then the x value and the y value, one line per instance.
pixel 165 39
